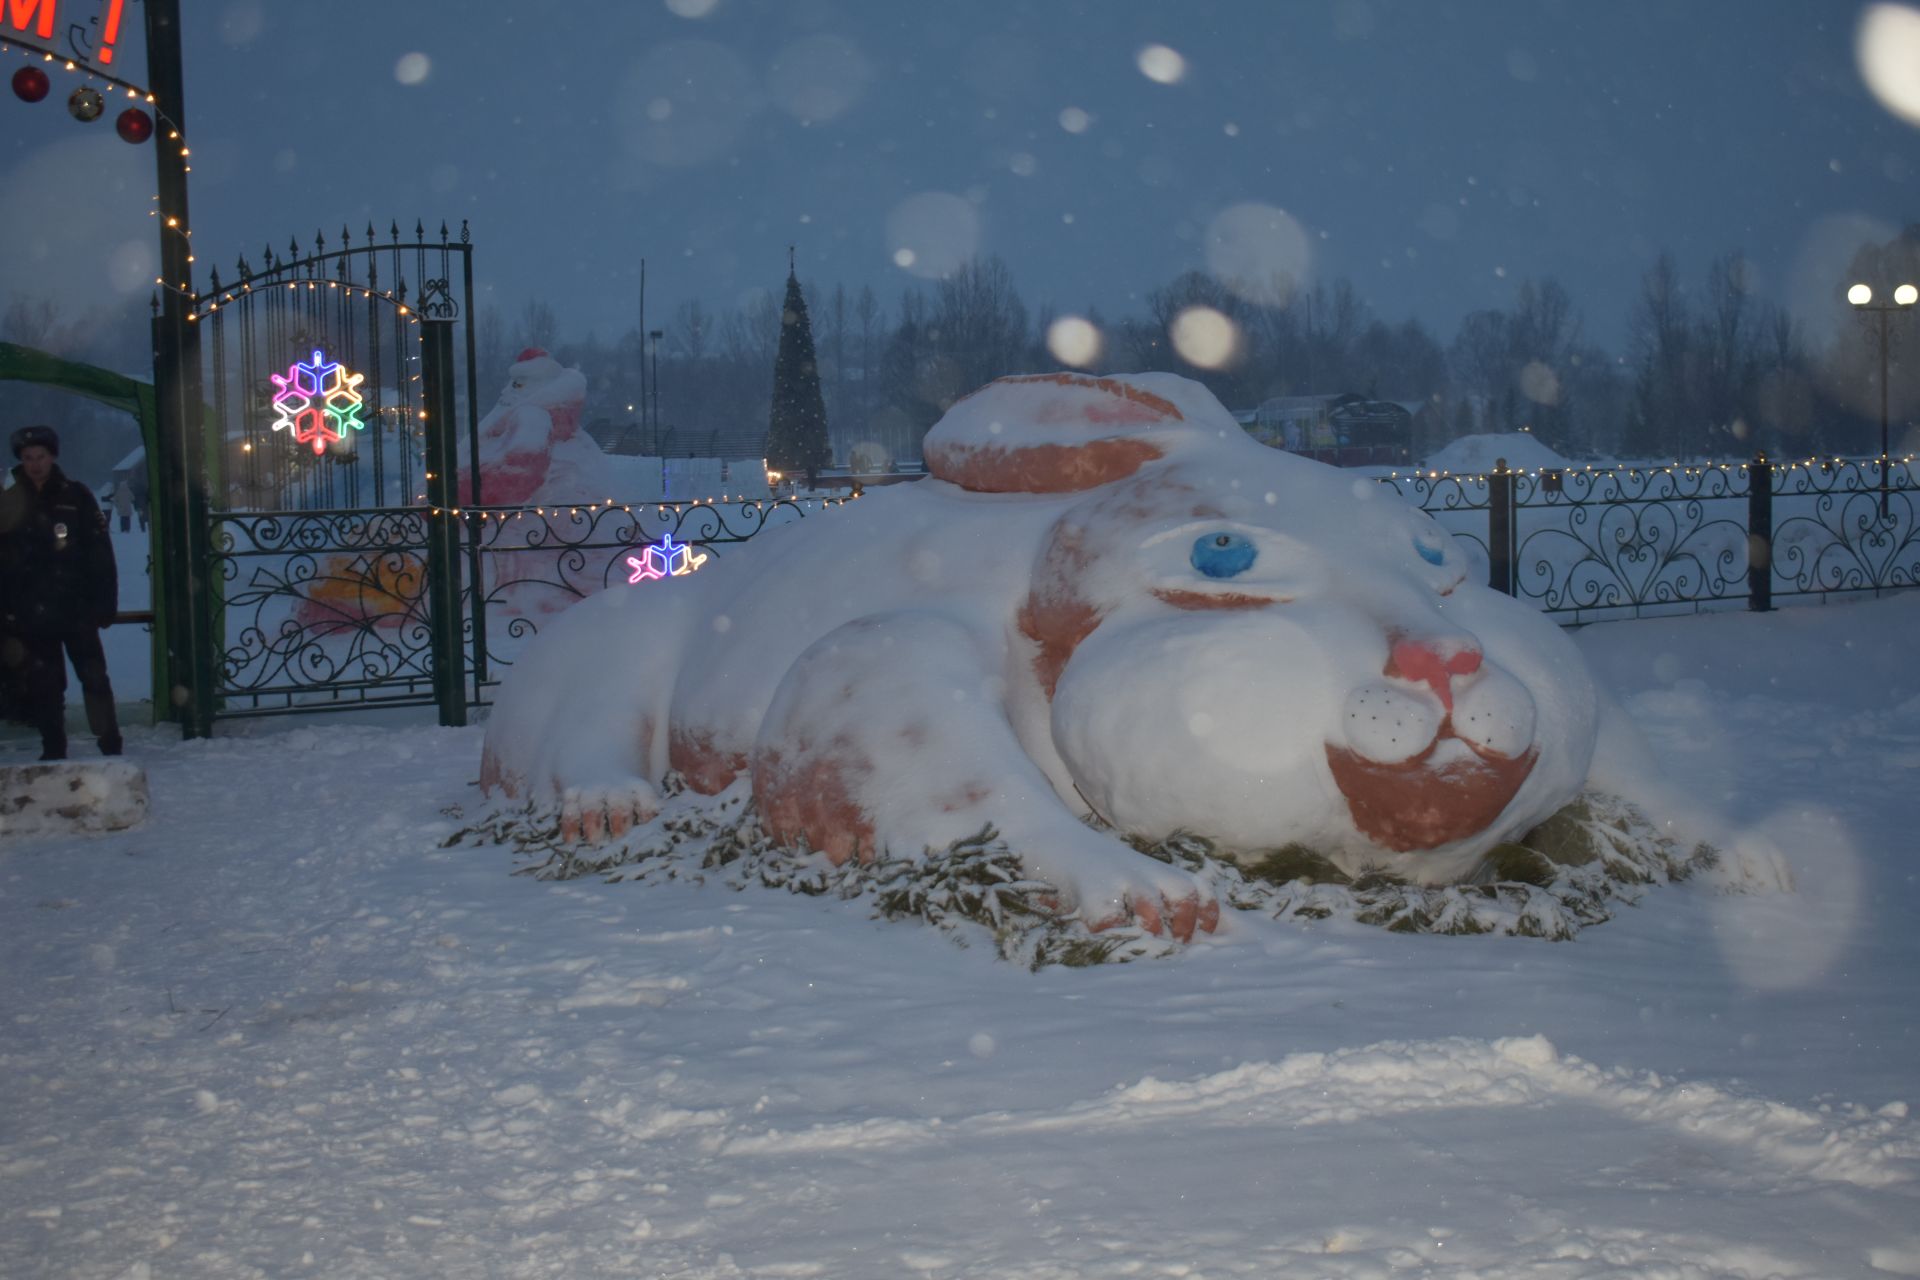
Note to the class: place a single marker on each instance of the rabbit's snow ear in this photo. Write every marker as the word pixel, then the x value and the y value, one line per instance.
pixel 1051 433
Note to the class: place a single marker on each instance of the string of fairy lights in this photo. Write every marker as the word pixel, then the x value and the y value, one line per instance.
pixel 1669 469
pixel 228 296
pixel 663 509
pixel 87 103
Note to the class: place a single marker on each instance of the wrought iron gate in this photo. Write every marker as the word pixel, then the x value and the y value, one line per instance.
pixel 334 385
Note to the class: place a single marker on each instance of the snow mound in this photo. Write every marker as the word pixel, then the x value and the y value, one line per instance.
pixel 1851 1146
pixel 92 795
pixel 1476 455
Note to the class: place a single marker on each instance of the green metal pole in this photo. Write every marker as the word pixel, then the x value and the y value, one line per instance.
pixel 180 524
pixel 476 527
pixel 443 521
pixel 160 579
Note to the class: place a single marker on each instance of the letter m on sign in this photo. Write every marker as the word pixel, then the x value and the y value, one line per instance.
pixel 21 16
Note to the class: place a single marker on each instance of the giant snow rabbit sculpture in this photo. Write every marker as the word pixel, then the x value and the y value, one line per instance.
pixel 1107 614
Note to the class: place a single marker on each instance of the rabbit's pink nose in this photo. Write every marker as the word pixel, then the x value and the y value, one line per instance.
pixel 1433 661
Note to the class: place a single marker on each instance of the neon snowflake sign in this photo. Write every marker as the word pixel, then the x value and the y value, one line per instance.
pixel 318 402
pixel 665 559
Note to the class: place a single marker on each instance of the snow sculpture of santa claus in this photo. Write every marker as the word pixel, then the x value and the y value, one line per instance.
pixel 531 445
pixel 532 450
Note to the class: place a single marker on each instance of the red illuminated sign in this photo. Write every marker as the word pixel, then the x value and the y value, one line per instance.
pixel 89 39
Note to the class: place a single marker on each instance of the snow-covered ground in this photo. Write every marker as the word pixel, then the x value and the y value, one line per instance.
pixel 278 1031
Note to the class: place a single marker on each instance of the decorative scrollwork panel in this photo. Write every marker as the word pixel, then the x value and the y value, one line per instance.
pixel 322 608
pixel 1583 556
pixel 536 561
pixel 1838 540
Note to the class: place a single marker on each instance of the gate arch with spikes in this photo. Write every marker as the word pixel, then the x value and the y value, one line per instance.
pixel 339 391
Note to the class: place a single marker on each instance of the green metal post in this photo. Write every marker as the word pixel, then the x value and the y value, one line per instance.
pixel 443 521
pixel 180 524
pixel 476 527
pixel 167 598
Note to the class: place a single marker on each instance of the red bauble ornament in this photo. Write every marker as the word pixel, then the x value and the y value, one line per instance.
pixel 30 84
pixel 134 125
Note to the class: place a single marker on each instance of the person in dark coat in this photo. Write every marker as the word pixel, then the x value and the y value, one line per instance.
pixel 58 587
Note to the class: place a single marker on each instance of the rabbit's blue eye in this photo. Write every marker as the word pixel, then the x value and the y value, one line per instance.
pixel 1431 552
pixel 1222 555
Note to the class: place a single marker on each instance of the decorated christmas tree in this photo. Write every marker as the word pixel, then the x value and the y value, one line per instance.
pixel 797 426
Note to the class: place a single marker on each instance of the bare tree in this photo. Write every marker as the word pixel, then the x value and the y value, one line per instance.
pixel 751 336
pixel 1150 345
pixel 1783 397
pixel 1517 365
pixel 1545 327
pixel 1546 334
pixel 1400 362
pixel 1481 361
pixel 691 332
pixel 1660 335
pixel 830 345
pixel 489 347
pixel 33 321
pixel 979 325
pixel 1727 346
pixel 909 382
pixel 536 326
pixel 866 309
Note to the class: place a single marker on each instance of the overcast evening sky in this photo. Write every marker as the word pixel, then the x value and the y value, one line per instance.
pixel 1436 153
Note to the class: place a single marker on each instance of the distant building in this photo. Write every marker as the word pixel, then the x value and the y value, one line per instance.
pixel 1293 423
pixel 132 469
pixel 1347 429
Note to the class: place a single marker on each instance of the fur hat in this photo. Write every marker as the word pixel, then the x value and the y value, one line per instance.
pixel 26 437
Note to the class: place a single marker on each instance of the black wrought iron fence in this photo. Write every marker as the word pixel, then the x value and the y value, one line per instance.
pixel 334 608
pixel 323 609
pixel 1831 531
pixel 531 562
pixel 1588 543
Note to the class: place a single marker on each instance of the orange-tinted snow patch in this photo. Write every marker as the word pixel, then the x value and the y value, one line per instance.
pixel 812 802
pixel 707 769
pixel 1410 805
pixel 1039 468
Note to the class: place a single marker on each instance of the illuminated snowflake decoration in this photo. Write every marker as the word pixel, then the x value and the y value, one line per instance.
pixel 318 402
pixel 665 559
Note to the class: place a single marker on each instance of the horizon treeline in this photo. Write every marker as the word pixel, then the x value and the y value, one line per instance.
pixel 1709 370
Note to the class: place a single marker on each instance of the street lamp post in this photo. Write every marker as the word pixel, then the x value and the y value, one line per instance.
pixel 655 335
pixel 1904 296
